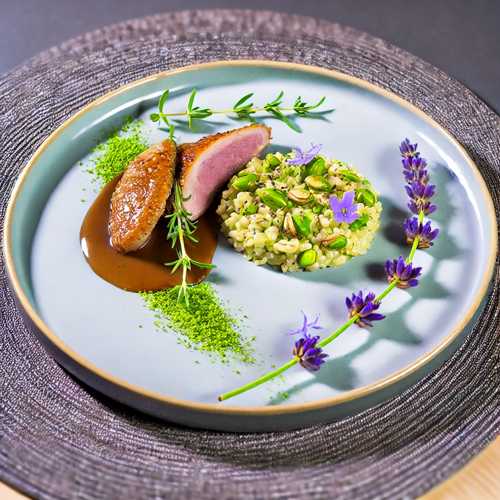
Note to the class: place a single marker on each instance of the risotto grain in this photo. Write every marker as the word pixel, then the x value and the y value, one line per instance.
pixel 279 214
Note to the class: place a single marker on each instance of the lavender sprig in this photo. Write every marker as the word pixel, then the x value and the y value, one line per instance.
pixel 408 150
pixel 403 273
pixel 424 232
pixel 363 308
pixel 308 351
pixel 243 109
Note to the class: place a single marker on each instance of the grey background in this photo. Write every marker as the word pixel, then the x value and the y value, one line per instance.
pixel 461 37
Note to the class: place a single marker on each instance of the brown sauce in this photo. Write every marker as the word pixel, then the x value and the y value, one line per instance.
pixel 144 269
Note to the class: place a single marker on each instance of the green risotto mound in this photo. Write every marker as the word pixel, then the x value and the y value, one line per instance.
pixel 280 214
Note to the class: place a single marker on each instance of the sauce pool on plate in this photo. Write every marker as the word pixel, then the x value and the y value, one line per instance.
pixel 143 269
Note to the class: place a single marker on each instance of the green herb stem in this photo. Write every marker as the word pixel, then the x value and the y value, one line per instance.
pixel 416 240
pixel 339 331
pixel 183 290
pixel 327 340
pixel 244 109
pixel 224 111
pixel 261 380
pixel 180 228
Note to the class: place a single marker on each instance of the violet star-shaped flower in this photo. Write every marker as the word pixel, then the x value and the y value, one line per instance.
pixel 306 325
pixel 420 195
pixel 344 210
pixel 310 356
pixel 365 307
pixel 303 157
pixel 405 274
pixel 425 233
pixel 408 149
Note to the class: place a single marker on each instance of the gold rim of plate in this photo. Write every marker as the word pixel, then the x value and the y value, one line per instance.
pixel 250 410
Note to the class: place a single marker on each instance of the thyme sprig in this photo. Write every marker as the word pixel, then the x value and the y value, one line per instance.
pixel 243 109
pixel 181 228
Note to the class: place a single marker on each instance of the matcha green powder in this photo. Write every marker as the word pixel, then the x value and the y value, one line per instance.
pixel 113 155
pixel 204 325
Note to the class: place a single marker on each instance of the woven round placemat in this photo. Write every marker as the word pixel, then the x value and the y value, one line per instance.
pixel 58 439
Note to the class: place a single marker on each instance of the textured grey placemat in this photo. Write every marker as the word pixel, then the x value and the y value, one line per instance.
pixel 60 440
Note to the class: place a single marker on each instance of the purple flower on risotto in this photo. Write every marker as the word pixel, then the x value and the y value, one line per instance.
pixel 306 325
pixel 425 233
pixel 365 307
pixel 408 149
pixel 344 210
pixel 310 356
pixel 405 274
pixel 302 157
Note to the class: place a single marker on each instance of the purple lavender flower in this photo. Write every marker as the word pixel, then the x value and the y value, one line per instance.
pixel 408 150
pixel 420 195
pixel 425 233
pixel 414 170
pixel 364 307
pixel 310 357
pixel 416 175
pixel 306 325
pixel 344 210
pixel 303 157
pixel 405 274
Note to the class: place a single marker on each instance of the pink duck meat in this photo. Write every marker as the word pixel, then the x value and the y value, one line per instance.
pixel 208 164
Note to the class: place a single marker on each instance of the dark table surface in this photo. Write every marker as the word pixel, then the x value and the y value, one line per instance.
pixel 461 37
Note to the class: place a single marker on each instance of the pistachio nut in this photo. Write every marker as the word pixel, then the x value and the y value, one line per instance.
pixel 318 183
pixel 317 166
pixel 303 225
pixel 289 226
pixel 307 258
pixel 367 197
pixel 245 183
pixel 286 246
pixel 299 195
pixel 335 242
pixel 273 198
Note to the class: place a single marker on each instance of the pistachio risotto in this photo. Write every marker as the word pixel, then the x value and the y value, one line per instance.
pixel 299 217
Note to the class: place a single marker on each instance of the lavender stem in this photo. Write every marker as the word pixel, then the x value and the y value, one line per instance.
pixel 278 371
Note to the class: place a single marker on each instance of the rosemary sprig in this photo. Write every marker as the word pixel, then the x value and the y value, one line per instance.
pixel 181 228
pixel 243 109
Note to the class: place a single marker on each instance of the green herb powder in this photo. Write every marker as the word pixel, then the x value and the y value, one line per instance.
pixel 203 325
pixel 113 155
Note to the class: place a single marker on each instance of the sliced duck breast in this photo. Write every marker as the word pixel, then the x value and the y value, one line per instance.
pixel 208 164
pixel 140 196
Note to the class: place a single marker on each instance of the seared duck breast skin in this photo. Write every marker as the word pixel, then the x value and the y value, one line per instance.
pixel 208 164
pixel 140 196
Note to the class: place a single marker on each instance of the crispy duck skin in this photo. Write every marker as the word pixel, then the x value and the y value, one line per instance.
pixel 140 197
pixel 208 164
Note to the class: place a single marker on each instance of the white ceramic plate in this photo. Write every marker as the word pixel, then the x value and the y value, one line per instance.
pixel 106 336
